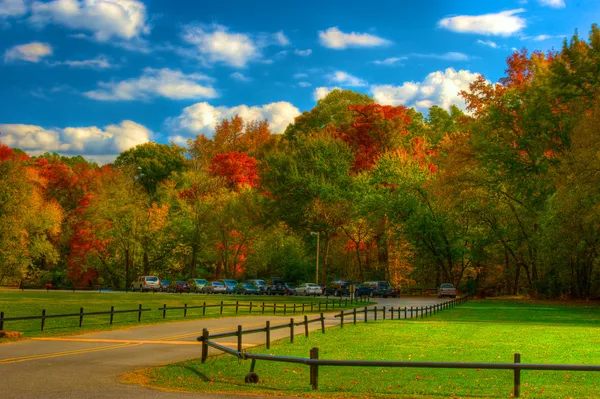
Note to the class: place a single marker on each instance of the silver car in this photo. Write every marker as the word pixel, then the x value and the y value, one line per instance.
pixel 307 289
pixel 215 287
pixel 146 283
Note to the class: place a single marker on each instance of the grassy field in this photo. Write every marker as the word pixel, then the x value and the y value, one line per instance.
pixel 30 303
pixel 479 331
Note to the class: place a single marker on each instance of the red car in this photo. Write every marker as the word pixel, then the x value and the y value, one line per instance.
pixel 179 286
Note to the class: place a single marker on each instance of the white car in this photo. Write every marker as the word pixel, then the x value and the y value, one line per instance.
pixel 146 283
pixel 307 289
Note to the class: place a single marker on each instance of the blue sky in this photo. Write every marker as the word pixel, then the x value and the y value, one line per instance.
pixel 95 77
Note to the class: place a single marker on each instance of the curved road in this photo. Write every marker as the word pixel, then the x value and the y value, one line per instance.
pixel 90 365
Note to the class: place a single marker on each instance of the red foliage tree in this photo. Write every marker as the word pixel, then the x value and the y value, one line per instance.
pixel 237 168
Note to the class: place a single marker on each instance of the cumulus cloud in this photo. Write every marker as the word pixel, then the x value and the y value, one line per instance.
pixel 303 53
pixel 105 19
pixel 438 88
pixel 390 61
pixel 164 82
pixel 217 44
pixel 322 92
pixel 91 141
pixel 12 8
pixel 30 52
pixel 345 79
pixel 505 23
pixel 202 118
pixel 336 39
pixel 553 3
pixel 240 77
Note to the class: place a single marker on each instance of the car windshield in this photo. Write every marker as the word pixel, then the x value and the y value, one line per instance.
pixel 230 282
pixel 446 286
pixel 248 285
pixel 383 284
pixel 200 281
pixel 311 285
pixel 259 282
pixel 217 284
pixel 151 278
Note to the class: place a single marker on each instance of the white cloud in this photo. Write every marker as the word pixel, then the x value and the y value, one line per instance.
pixel 345 79
pixel 202 118
pixel 216 44
pixel 304 84
pixel 164 82
pixel 553 3
pixel 106 19
pixel 303 53
pixel 12 8
pixel 322 92
pixel 240 77
pixel 336 39
pixel 90 141
pixel 390 61
pixel 505 23
pixel 488 43
pixel 30 52
pixel 440 88
pixel 100 62
pixel 450 56
pixel 542 37
pixel 281 39
pixel 300 75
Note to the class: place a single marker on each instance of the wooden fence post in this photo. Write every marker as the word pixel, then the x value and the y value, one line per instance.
pixel 221 307
pixel 292 330
pixel 250 307
pixel 354 315
pixel 314 369
pixel 375 311
pixel 164 310
pixel 322 323
pixel 204 309
pixel 302 308
pixel 342 319
pixel 517 377
pixel 80 317
pixel 1 321
pixel 284 309
pixel 239 338
pixel 263 308
pixel 184 310
pixel 294 308
pixel 275 308
pixel 384 313
pixel 405 313
pixel 268 334
pixel 305 325
pixel 112 314
pixel 140 313
pixel 204 345
pixel 366 314
pixel 237 305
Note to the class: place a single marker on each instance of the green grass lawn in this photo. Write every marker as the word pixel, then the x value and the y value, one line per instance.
pixel 30 303
pixel 479 331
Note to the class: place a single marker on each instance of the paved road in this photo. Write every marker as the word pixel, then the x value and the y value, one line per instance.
pixel 89 365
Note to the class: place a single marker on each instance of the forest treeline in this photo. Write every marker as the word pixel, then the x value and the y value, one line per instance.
pixel 503 197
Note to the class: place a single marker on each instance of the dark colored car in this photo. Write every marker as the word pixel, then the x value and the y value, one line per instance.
pixel 365 289
pixel 275 286
pixel 338 288
pixel 289 289
pixel 260 284
pixel 230 285
pixel 179 286
pixel 382 289
pixel 247 289
pixel 164 285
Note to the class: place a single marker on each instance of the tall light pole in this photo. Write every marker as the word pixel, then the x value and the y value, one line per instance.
pixel 317 271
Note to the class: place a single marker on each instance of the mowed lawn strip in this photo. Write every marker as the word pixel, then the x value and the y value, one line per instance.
pixel 16 303
pixel 479 331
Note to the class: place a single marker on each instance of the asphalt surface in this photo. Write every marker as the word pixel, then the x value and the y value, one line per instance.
pixel 90 365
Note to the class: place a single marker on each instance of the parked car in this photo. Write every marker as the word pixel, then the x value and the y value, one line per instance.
pixel 164 285
pixel 260 284
pixel 338 288
pixel 197 284
pixel 178 286
pixel 382 289
pixel 289 289
pixel 230 286
pixel 307 289
pixel 275 286
pixel 146 283
pixel 215 287
pixel 447 289
pixel 365 289
pixel 247 289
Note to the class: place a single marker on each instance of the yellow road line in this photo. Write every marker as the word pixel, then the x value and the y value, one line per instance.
pixel 127 341
pixel 60 354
